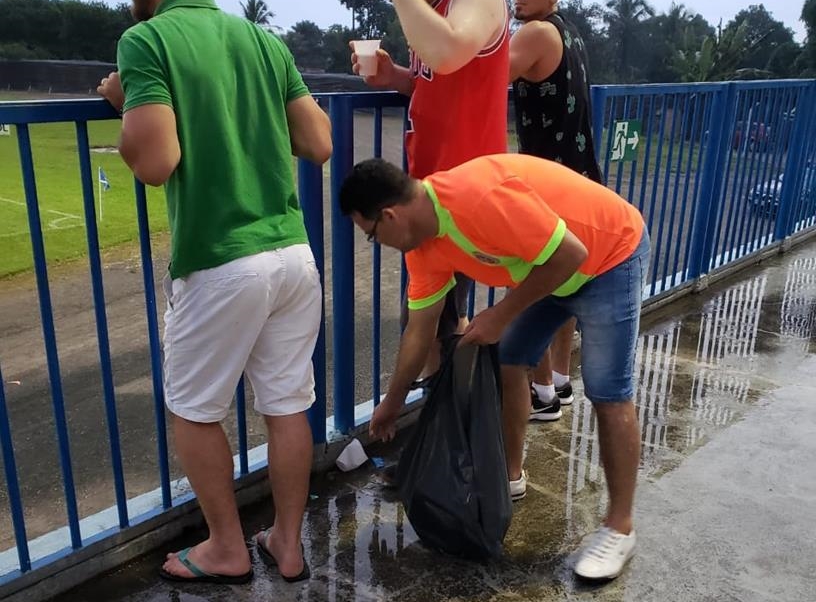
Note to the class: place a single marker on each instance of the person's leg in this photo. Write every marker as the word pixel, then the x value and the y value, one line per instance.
pixel 608 311
pixel 290 462
pixel 562 348
pixel 521 347
pixel 210 474
pixel 619 439
pixel 280 371
pixel 515 413
pixel 211 324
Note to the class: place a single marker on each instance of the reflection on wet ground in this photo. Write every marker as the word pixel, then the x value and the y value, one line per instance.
pixel 709 367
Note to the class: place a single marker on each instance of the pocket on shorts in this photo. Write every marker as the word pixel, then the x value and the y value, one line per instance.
pixel 230 281
pixel 167 289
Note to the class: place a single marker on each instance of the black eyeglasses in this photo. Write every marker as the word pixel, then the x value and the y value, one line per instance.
pixel 372 234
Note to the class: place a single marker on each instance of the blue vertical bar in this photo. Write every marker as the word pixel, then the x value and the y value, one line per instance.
pixel 610 131
pixel 491 296
pixel 647 156
pixel 13 485
pixel 774 107
pixel 727 214
pixel 101 321
pixel 342 120
pixel 743 241
pixel 598 95
pixel 310 190
pixel 633 167
pixel 704 138
pixel 710 189
pixel 656 176
pixel 376 280
pixel 661 246
pixel 673 238
pixel 795 163
pixel 619 174
pixel 695 142
pixel 153 338
pixel 240 409
pixel 49 334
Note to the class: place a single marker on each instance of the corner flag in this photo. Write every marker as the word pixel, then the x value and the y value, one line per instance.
pixel 103 180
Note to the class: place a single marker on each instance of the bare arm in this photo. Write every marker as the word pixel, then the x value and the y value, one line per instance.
pixel 536 51
pixel 413 351
pixel 309 129
pixel 414 347
pixel 446 44
pixel 149 143
pixel 402 81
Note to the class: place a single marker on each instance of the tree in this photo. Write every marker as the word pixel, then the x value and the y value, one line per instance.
pixel 665 35
pixel 807 60
pixel 370 18
pixel 336 49
pixel 764 37
pixel 624 20
pixel 588 20
pixel 717 59
pixel 305 41
pixel 257 11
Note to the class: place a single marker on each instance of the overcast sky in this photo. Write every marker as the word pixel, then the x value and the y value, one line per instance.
pixel 328 12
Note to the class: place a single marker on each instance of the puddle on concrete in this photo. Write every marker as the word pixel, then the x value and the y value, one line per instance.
pixel 701 368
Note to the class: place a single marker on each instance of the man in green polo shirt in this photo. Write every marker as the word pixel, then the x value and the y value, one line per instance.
pixel 213 109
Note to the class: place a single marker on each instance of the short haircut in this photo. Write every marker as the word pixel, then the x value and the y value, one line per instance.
pixel 372 186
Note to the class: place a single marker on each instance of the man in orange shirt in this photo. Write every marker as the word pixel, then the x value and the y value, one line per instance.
pixel 567 247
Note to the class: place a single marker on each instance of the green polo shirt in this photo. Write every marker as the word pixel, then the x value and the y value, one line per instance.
pixel 228 81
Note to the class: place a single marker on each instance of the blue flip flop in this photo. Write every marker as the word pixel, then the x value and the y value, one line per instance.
pixel 200 576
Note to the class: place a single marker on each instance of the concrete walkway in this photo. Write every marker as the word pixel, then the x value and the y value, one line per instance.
pixel 726 503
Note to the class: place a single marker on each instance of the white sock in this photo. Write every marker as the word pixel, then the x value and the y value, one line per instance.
pixel 559 380
pixel 545 392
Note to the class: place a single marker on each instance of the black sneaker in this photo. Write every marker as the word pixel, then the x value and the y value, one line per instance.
pixel 565 395
pixel 544 410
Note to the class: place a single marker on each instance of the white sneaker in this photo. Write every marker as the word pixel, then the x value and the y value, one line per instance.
pixel 606 554
pixel 518 488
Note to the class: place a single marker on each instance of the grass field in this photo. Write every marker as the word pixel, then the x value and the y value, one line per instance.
pixel 59 189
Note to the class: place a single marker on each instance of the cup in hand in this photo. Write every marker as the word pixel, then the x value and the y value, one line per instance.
pixel 366 51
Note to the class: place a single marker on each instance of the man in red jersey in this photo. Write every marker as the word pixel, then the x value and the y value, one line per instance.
pixel 457 81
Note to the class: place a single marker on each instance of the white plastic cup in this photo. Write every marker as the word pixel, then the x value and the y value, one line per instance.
pixel 366 51
pixel 353 456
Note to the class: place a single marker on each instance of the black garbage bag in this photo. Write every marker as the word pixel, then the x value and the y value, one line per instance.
pixel 452 474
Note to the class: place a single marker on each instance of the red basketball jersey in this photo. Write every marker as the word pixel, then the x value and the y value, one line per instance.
pixel 456 117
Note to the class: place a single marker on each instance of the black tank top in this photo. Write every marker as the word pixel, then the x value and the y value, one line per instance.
pixel 553 116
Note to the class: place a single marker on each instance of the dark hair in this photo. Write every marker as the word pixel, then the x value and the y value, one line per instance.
pixel 372 186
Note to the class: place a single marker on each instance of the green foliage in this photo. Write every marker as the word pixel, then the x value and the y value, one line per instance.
pixel 305 41
pixel 257 11
pixel 61 29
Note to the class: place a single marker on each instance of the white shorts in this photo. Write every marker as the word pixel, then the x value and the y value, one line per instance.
pixel 258 314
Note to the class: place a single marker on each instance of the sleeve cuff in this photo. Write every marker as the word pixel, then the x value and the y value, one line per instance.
pixel 415 304
pixel 552 245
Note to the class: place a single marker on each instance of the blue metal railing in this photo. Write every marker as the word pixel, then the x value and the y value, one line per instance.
pixel 721 170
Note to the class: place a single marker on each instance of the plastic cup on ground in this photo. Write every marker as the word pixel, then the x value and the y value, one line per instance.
pixel 367 56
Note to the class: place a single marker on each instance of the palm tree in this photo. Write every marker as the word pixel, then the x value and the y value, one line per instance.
pixel 624 19
pixel 257 11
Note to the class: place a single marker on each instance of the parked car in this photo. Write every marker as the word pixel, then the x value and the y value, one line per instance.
pixel 765 197
pixel 759 136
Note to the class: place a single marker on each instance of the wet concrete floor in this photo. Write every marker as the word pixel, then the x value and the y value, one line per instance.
pixel 727 492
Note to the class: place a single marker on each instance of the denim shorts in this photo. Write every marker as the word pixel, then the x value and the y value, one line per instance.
pixel 608 312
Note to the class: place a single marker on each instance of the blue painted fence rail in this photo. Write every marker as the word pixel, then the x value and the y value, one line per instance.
pixel 720 171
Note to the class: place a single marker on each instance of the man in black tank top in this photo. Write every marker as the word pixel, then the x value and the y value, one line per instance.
pixel 548 70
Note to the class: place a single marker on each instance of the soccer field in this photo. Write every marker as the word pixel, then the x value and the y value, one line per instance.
pixel 59 189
